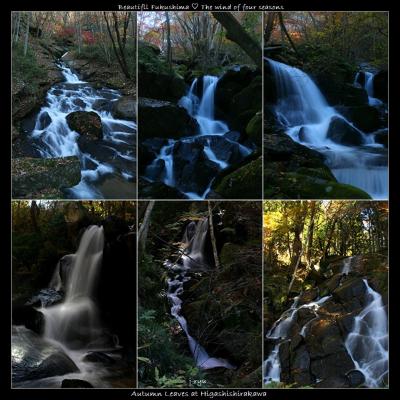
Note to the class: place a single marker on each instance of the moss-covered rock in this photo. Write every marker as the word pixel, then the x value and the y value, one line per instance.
pixel 254 129
pixel 86 123
pixel 36 178
pixel 157 79
pixel 243 183
pixel 310 184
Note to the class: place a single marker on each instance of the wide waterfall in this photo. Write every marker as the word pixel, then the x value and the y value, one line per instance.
pixel 74 322
pixel 107 165
pixel 303 111
pixel 366 342
pixel 192 259
pixel 218 147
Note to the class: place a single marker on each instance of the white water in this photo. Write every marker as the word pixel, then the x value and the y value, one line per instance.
pixel 367 344
pixel 74 322
pixel 303 111
pixel 280 331
pixel 369 87
pixel 192 258
pixel 54 138
pixel 203 111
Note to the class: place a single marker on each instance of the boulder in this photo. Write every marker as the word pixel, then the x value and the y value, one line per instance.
pixel 351 288
pixel 163 119
pixel 242 182
pixel 332 366
pixel 125 108
pixel 76 383
pixel 323 338
pixel 342 132
pixel 381 85
pixel 356 378
pixel 87 123
pixel 44 177
pixel 157 190
pixel 366 118
pixel 29 317
pixel 98 357
pixel 45 298
pixel 35 358
pixel 382 137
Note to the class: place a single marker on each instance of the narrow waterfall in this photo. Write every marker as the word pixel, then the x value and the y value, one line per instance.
pixel 193 258
pixel 220 149
pixel 303 111
pixel 280 331
pixel 111 158
pixel 369 87
pixel 367 344
pixel 74 323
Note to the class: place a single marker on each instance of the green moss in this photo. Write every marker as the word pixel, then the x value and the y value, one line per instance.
pixel 26 69
pixel 254 129
pixel 244 183
pixel 312 185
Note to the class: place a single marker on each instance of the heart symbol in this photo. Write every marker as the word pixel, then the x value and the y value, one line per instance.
pixel 195 5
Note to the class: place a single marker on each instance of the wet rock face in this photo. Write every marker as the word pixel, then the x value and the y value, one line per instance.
pixel 34 358
pixel 125 108
pixel 341 132
pixel 314 351
pixel 76 383
pixel 164 119
pixel 86 123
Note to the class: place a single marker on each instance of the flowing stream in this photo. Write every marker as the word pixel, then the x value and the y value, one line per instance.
pixel 220 146
pixel 369 87
pixel 192 259
pixel 107 164
pixel 306 116
pixel 367 343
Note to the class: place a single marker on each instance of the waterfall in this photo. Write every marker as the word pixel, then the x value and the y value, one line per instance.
pixel 193 258
pixel 202 109
pixel 280 331
pixel 369 87
pixel 52 137
pixel 303 111
pixel 74 322
pixel 367 343
pixel 347 265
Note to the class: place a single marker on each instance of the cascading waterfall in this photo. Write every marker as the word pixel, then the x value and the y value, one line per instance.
pixel 367 343
pixel 280 331
pixel 203 111
pixel 192 258
pixel 303 111
pixel 112 159
pixel 74 323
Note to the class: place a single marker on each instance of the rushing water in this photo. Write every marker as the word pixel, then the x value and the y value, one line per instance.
pixel 303 111
pixel 192 259
pixel 72 327
pixel 367 343
pixel 221 149
pixel 107 164
pixel 369 87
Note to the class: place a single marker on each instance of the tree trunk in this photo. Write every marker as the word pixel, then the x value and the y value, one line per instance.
pixel 284 30
pixel 27 34
pixel 236 34
pixel 310 233
pixel 269 26
pixel 212 234
pixel 169 48
pixel 144 228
